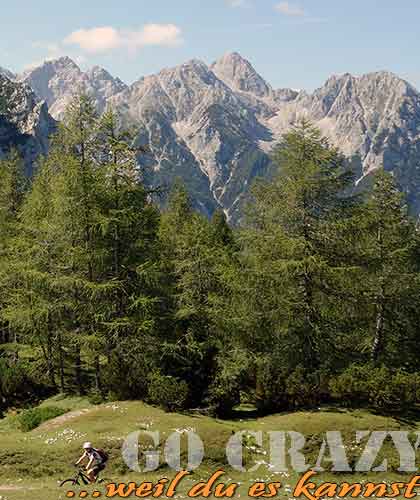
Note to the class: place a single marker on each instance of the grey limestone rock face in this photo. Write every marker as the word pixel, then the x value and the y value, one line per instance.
pixel 59 80
pixel 214 125
pixel 8 74
pixel 25 123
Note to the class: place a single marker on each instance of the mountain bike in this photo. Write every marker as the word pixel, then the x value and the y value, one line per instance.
pixel 81 478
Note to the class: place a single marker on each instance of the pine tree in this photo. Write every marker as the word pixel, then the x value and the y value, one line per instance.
pixel 85 258
pixel 290 288
pixel 194 249
pixel 389 277
pixel 128 289
pixel 12 190
pixel 33 303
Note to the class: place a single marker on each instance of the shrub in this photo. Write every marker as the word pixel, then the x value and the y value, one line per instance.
pixel 225 391
pixel 22 378
pixel 380 387
pixel 406 387
pixel 96 397
pixel 12 377
pixel 351 386
pixel 302 388
pixel 168 392
pixel 33 417
pixel 270 385
pixel 281 388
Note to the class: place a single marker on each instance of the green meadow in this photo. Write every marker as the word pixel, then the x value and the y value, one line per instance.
pixel 33 463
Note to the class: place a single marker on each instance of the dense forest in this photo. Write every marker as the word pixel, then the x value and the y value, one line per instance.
pixel 313 299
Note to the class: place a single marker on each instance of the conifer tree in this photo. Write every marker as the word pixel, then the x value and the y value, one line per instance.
pixel 389 273
pixel 193 248
pixel 12 190
pixel 128 279
pixel 294 252
pixel 34 305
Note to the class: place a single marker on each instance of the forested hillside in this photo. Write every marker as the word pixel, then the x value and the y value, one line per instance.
pixel 313 300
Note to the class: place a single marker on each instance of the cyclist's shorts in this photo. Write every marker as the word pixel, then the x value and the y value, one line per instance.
pixel 98 468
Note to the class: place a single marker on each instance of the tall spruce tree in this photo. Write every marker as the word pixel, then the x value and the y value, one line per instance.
pixel 290 286
pixel 386 244
pixel 192 249
pixel 298 243
pixel 34 305
pixel 12 190
pixel 129 281
pixel 76 188
pixel 55 258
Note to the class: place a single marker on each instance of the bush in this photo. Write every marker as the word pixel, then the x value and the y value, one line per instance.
pixel 281 388
pixel 351 386
pixel 406 387
pixel 96 397
pixel 225 392
pixel 270 392
pixel 17 385
pixel 303 388
pixel 32 418
pixel 168 392
pixel 379 387
pixel 12 377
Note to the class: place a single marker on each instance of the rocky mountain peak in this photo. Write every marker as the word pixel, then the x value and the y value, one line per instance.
pixel 63 62
pixel 191 72
pixel 239 74
pixel 8 74
pixel 24 121
pixel 51 67
pixel 57 81
pixel 379 80
pixel 97 72
pixel 214 125
pixel 374 117
pixel 191 87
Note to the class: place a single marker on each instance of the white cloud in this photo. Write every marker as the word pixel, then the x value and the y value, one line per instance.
pixel 167 35
pixel 289 9
pixel 107 38
pixel 95 39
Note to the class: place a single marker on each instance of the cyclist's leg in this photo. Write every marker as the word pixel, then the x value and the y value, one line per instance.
pixel 85 478
pixel 94 472
pixel 91 475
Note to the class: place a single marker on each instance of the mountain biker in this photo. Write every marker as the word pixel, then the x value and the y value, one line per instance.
pixel 97 460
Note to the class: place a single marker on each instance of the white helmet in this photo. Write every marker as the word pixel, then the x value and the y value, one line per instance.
pixel 87 446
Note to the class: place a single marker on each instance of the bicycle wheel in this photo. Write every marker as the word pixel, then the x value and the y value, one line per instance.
pixel 69 482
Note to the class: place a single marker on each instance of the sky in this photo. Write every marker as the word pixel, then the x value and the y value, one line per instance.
pixel 296 43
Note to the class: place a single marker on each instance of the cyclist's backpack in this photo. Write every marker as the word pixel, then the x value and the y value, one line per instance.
pixel 103 454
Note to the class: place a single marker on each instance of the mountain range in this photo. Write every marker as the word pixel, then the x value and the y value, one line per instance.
pixel 215 125
pixel 25 122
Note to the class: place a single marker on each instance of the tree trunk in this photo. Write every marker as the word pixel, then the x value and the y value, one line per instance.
pixel 61 363
pixel 50 356
pixel 78 367
pixel 97 374
pixel 378 339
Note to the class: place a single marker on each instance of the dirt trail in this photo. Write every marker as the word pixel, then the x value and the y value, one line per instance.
pixel 56 422
pixel 10 487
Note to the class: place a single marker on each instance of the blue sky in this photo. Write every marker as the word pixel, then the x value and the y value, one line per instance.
pixel 296 43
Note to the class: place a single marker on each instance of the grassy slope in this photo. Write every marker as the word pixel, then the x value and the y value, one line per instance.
pixel 40 458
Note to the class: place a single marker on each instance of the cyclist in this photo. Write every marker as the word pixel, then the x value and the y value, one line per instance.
pixel 97 459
